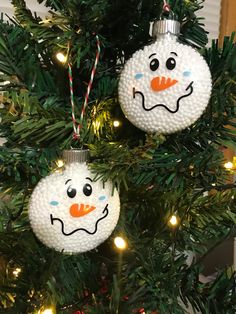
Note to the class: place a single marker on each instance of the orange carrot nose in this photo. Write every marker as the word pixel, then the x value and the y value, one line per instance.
pixel 79 210
pixel 160 83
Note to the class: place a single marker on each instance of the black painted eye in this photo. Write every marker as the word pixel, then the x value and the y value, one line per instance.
pixel 87 189
pixel 71 192
pixel 154 64
pixel 170 63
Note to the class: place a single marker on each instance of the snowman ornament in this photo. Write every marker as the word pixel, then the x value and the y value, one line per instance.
pixel 166 86
pixel 71 213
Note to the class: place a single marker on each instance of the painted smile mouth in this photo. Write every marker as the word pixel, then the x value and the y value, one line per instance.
pixel 53 219
pixel 189 90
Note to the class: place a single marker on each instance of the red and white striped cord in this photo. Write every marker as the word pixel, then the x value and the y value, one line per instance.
pixel 77 127
pixel 72 98
pixel 166 6
pixel 90 84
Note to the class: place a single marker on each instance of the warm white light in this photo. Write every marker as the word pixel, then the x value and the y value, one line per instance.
pixel 60 163
pixel 228 165
pixel 116 123
pixel 120 243
pixel 47 311
pixel 173 220
pixel 16 272
pixel 61 57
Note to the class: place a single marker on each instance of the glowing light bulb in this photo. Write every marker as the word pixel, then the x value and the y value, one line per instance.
pixel 46 311
pixel 16 272
pixel 60 163
pixel 228 165
pixel 120 243
pixel 61 57
pixel 116 123
pixel 173 220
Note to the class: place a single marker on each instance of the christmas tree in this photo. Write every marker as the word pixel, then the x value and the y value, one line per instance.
pixel 176 198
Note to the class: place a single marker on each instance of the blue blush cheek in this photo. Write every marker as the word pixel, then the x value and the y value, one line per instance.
pixel 138 76
pixel 54 203
pixel 102 198
pixel 187 73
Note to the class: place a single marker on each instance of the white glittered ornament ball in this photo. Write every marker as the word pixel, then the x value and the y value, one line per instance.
pixel 70 213
pixel 166 86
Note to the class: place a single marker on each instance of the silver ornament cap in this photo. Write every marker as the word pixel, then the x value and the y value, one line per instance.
pixel 75 155
pixel 161 27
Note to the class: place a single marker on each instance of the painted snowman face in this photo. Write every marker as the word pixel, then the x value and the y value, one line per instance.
pixel 70 213
pixel 165 87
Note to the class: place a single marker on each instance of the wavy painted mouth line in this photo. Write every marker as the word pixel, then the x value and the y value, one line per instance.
pixel 105 211
pixel 190 88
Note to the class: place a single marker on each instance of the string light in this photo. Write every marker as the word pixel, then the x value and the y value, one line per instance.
pixel 60 163
pixel 61 57
pixel 229 165
pixel 16 272
pixel 120 243
pixel 116 123
pixel 174 221
pixel 46 311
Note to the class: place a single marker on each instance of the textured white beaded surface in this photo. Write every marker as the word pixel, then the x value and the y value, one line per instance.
pixel 181 93
pixel 64 218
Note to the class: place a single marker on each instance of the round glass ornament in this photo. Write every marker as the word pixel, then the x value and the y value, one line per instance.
pixel 166 86
pixel 71 213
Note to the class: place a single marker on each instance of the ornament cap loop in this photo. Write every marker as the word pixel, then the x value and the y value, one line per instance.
pixel 165 26
pixel 76 155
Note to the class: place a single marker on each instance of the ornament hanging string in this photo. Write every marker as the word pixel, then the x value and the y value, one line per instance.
pixel 72 98
pixel 166 6
pixel 77 127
